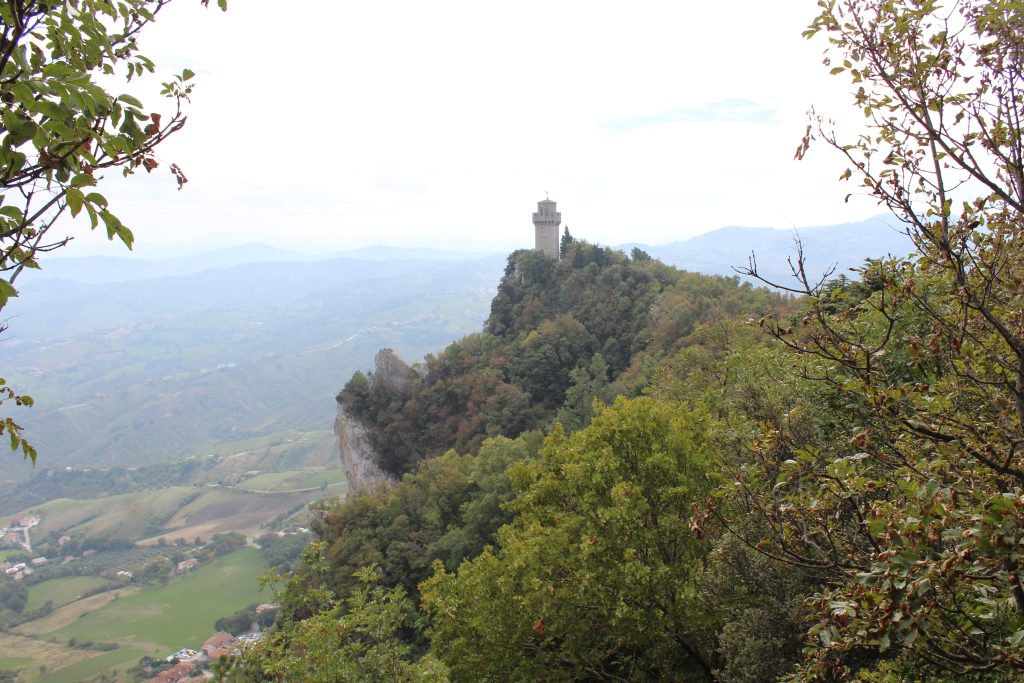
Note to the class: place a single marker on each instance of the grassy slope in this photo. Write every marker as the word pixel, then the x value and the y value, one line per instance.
pixel 61 591
pixel 293 480
pixel 68 614
pixel 125 516
pixel 7 663
pixel 180 614
pixel 135 516
pixel 219 510
pixel 15 649
pixel 271 481
pixel 103 662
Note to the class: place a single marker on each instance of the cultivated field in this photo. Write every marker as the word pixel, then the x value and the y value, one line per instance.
pixel 62 591
pixel 152 621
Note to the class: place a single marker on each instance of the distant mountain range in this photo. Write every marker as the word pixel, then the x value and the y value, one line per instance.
pixel 134 361
pixel 96 269
pixel 128 372
pixel 719 252
pixel 723 251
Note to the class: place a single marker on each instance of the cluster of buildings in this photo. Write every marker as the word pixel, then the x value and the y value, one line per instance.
pixel 17 532
pixel 17 535
pixel 20 570
pixel 236 477
pixel 192 664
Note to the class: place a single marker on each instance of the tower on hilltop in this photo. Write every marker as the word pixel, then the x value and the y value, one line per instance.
pixel 546 222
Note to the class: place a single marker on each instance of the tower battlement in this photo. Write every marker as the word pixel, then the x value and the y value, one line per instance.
pixel 545 222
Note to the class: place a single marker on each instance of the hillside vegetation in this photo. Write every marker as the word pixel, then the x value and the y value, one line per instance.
pixel 559 335
pixel 464 433
pixel 733 486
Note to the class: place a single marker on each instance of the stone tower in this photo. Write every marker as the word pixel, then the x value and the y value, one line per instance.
pixel 546 222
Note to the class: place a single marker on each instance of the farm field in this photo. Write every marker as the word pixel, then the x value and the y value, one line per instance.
pixel 128 515
pixel 62 616
pixel 29 654
pixel 103 662
pixel 189 511
pixel 152 621
pixel 295 480
pixel 62 591
pixel 7 663
pixel 156 620
pixel 181 614
pixel 218 510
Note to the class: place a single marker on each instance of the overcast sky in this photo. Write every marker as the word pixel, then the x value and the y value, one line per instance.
pixel 325 124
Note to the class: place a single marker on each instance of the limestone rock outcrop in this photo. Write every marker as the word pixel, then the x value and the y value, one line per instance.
pixel 391 371
pixel 358 459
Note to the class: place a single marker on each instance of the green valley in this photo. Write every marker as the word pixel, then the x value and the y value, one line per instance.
pixel 154 621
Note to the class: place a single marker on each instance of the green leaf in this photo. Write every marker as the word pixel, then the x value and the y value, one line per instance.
pixel 75 200
pixel 83 180
pixel 128 99
pixel 7 291
pixel 12 212
pixel 97 199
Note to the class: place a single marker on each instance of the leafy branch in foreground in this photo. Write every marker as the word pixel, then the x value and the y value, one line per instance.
pixel 918 514
pixel 61 128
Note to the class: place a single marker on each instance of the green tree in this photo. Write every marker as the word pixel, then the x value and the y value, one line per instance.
pixel 157 569
pixel 594 576
pixel 227 542
pixel 586 384
pixel 13 595
pixel 638 254
pixel 238 623
pixel 447 510
pixel 546 356
pixel 914 506
pixel 62 129
pixel 356 640
pixel 566 243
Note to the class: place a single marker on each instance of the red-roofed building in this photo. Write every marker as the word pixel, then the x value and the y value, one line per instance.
pixel 219 640
pixel 176 673
pixel 216 653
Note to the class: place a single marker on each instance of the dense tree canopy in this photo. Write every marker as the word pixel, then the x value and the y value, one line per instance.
pixel 835 493
pixel 915 506
pixel 594 577
pixel 548 324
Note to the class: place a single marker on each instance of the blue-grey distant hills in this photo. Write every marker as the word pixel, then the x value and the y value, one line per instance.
pixel 95 269
pixel 128 372
pixel 98 269
pixel 721 251
pixel 134 361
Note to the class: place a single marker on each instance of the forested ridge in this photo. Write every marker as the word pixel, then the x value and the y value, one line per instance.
pixel 559 335
pixel 638 474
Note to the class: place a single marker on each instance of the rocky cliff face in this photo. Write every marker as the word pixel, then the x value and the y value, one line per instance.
pixel 391 371
pixel 358 460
